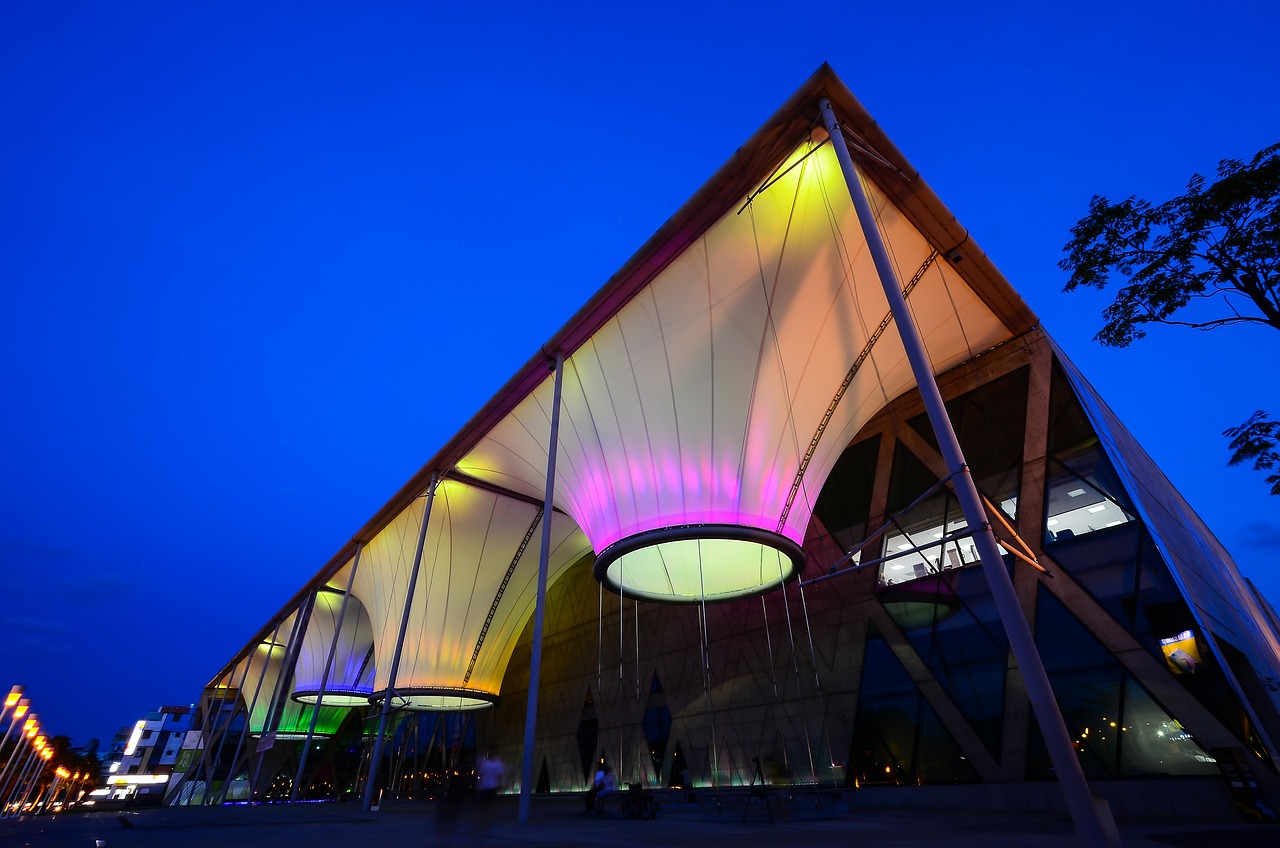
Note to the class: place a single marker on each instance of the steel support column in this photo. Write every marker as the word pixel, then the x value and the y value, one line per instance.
pixel 1086 816
pixel 285 678
pixel 372 780
pixel 539 603
pixel 324 677
pixel 248 719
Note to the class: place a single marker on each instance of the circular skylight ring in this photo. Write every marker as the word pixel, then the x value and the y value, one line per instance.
pixel 693 563
pixel 436 699
pixel 293 735
pixel 333 697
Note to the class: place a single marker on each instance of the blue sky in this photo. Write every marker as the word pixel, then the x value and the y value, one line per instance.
pixel 259 261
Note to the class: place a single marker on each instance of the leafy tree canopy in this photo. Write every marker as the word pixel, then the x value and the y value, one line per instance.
pixel 1257 440
pixel 1217 246
pixel 1209 258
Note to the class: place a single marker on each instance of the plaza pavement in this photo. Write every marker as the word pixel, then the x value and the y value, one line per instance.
pixel 561 821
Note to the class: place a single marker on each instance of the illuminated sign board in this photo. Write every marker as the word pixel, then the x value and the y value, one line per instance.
pixel 1181 653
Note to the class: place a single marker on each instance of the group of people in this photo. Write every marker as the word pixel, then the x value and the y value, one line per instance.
pixel 490 777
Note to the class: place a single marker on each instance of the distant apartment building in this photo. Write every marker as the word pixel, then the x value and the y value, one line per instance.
pixel 143 758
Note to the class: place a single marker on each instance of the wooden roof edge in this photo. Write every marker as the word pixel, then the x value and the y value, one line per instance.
pixel 922 206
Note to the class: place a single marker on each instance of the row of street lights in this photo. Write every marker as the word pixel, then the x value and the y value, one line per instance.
pixel 27 759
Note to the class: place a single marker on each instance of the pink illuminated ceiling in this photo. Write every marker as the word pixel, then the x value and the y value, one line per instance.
pixel 696 385
pixel 697 402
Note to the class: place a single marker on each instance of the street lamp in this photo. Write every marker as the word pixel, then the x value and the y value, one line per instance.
pixel 10 700
pixel 19 710
pixel 60 774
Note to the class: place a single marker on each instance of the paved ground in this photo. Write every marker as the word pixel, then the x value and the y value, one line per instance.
pixel 562 822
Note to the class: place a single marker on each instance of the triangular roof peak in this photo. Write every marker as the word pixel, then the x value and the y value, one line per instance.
pixel 790 135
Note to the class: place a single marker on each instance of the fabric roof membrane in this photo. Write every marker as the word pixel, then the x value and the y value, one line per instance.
pixel 694 381
pixel 350 680
pixel 262 698
pixel 695 405
pixel 455 653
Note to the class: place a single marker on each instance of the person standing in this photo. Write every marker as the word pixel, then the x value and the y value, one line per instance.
pixel 606 785
pixel 489 777
pixel 596 783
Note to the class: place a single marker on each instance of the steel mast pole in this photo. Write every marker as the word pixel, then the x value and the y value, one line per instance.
pixel 19 713
pixel 248 719
pixel 15 755
pixel 23 774
pixel 276 708
pixel 1075 788
pixel 539 608
pixel 395 659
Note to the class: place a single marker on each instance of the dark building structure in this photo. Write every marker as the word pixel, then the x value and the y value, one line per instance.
pixel 757 560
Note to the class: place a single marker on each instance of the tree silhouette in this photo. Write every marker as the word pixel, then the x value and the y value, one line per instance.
pixel 1206 259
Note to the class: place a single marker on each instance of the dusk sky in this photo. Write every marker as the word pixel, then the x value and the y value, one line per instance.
pixel 260 261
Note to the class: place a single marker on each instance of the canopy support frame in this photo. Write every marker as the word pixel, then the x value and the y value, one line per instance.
pixel 248 717
pixel 280 693
pixel 1075 789
pixel 540 599
pixel 372 781
pixel 324 677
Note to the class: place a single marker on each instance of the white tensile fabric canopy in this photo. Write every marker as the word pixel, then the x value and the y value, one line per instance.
pixel 263 698
pixel 475 590
pixel 708 390
pixel 350 681
pixel 696 403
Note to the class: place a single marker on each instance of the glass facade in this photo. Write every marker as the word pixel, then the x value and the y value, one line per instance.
pixel 1123 570
pixel 990 423
pixel 898 738
pixel 657 724
pixel 1120 564
pixel 1082 494
pixel 1117 728
pixel 965 646
pixel 844 506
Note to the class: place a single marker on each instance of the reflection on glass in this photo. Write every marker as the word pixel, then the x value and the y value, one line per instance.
pixel 952 622
pixel 1116 727
pixel 897 737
